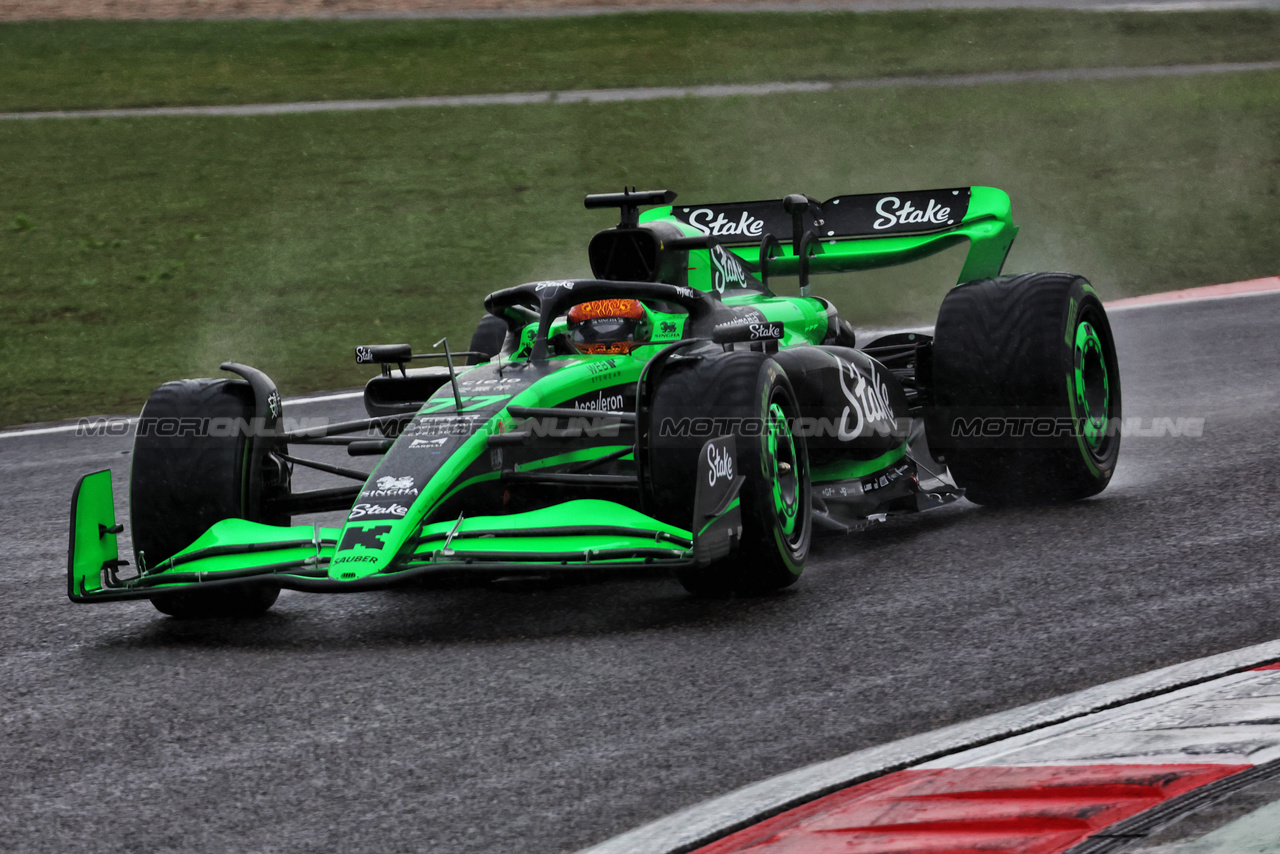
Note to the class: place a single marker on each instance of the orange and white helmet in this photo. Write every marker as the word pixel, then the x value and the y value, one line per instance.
pixel 608 326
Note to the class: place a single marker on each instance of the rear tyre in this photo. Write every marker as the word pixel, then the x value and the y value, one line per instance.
pixel 746 394
pixel 185 477
pixel 1026 389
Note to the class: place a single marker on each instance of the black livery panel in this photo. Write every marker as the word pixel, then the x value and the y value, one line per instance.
pixel 843 216
pixel 852 407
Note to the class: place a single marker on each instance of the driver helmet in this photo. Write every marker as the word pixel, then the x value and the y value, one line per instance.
pixel 608 326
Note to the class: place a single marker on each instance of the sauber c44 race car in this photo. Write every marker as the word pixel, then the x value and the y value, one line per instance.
pixel 672 412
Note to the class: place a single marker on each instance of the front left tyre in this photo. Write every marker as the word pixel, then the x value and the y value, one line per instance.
pixel 191 468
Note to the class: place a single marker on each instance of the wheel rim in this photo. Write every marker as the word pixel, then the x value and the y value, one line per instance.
pixel 1092 385
pixel 784 474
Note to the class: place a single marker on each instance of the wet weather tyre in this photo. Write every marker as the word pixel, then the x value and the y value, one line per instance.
pixel 1026 389
pixel 736 391
pixel 184 478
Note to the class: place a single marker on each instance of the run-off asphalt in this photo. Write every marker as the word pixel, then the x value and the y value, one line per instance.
pixel 546 720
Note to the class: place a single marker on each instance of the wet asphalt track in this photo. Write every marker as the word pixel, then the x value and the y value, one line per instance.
pixel 545 720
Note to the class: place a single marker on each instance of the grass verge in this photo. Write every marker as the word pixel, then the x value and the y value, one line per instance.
pixel 87 64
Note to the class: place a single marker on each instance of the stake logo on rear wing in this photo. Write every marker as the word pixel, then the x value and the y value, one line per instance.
pixel 843 216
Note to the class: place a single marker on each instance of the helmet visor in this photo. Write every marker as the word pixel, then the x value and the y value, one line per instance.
pixel 609 326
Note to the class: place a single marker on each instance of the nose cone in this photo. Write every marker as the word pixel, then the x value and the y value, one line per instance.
pixel 366 548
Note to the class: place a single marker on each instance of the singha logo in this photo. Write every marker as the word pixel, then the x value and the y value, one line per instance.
pixel 391 487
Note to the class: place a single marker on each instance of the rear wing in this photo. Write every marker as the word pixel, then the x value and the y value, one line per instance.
pixel 855 232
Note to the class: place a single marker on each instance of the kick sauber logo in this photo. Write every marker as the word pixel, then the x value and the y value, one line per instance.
pixel 366 538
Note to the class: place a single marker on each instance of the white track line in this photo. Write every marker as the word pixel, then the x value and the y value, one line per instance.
pixel 655 93
pixel 352 395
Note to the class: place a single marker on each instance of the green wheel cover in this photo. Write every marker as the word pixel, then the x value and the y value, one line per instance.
pixel 1092 387
pixel 781 449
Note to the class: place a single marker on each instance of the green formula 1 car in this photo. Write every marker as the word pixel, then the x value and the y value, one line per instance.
pixel 672 412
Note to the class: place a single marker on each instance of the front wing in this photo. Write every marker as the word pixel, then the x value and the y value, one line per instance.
pixel 583 535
